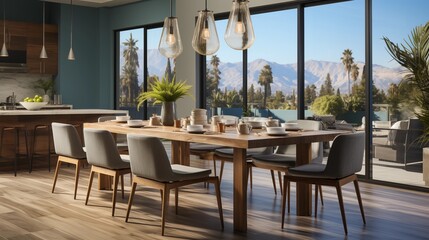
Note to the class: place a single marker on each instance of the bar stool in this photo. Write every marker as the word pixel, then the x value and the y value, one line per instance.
pixel 16 130
pixel 39 128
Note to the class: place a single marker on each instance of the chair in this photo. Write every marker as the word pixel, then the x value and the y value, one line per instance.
pixel 120 139
pixel 285 156
pixel 344 160
pixel 49 133
pixel 102 154
pixel 151 167
pixel 402 144
pixel 69 148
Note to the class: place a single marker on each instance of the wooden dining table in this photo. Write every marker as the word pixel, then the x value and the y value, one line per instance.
pixel 180 140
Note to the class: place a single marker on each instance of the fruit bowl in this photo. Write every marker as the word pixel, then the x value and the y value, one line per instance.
pixel 33 105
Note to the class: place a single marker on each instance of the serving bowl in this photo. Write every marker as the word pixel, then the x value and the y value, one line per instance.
pixel 33 105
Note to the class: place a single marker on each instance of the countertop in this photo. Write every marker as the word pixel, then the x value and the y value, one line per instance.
pixel 62 112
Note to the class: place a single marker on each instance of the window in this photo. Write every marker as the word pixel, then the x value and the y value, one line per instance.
pixel 132 48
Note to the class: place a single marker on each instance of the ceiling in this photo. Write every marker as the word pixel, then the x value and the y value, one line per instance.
pixel 96 3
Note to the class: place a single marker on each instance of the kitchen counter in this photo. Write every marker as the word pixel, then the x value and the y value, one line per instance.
pixel 63 112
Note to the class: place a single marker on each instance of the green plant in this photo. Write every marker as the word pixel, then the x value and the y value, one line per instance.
pixel 413 55
pixel 328 105
pixel 164 91
pixel 45 84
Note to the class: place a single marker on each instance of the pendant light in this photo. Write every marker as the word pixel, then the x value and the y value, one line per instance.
pixel 239 32
pixel 43 53
pixel 4 52
pixel 205 40
pixel 170 44
pixel 71 53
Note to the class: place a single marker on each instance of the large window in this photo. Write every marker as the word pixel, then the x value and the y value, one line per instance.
pixel 133 46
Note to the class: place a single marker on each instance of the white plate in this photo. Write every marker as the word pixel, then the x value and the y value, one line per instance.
pixel 196 132
pixel 132 126
pixel 293 129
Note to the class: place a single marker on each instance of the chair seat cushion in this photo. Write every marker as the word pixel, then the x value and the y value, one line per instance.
pixel 182 172
pixel 277 160
pixel 125 157
pixel 309 170
pixel 203 147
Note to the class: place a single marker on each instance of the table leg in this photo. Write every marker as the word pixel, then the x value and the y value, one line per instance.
pixel 180 153
pixel 175 152
pixel 303 191
pixel 240 190
pixel 104 182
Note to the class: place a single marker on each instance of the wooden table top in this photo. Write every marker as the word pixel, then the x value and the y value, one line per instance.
pixel 258 138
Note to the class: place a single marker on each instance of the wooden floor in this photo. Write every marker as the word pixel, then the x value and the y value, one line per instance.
pixel 28 210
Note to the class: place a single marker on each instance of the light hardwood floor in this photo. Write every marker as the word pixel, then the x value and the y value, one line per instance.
pixel 29 211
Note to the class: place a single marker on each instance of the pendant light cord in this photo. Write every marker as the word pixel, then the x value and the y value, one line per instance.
pixel 206 6
pixel 43 23
pixel 71 25
pixel 171 8
pixel 4 23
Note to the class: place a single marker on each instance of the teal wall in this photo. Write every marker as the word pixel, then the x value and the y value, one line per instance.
pixel 88 82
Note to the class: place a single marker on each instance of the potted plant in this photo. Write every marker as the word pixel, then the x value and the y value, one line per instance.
pixel 47 85
pixel 165 92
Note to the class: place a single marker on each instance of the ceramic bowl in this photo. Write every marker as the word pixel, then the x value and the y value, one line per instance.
pixel 135 122
pixel 122 118
pixel 33 105
pixel 275 130
pixel 194 128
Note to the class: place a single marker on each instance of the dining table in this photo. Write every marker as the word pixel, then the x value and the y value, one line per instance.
pixel 180 140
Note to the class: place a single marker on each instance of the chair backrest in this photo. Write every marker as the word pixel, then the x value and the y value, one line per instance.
pixel 346 155
pixel 67 141
pixel 106 118
pixel 316 148
pixel 101 149
pixel 415 130
pixel 148 158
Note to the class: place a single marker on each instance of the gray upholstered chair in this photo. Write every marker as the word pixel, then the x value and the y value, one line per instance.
pixel 120 139
pixel 285 156
pixel 69 149
pixel 151 167
pixel 105 159
pixel 344 160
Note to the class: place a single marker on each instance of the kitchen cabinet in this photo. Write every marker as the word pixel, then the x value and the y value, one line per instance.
pixel 28 38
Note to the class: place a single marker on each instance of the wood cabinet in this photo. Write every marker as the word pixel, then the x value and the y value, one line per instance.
pixel 29 37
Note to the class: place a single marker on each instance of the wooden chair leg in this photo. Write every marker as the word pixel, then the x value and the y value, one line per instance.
pixel 214 167
pixel 165 200
pixel 285 186
pixel 91 177
pixel 288 197
pixel 76 179
pixel 176 199
pixel 341 203
pixel 57 169
pixel 219 201
pixel 359 200
pixel 130 200
pixel 280 182
pixel 222 164
pixel 122 186
pixel 274 181
pixel 321 194
pixel 250 170
pixel 316 194
pixel 115 190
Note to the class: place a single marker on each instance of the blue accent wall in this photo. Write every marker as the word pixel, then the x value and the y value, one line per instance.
pixel 88 82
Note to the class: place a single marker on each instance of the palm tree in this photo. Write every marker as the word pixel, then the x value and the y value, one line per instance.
pixel 347 61
pixel 215 61
pixel 413 55
pixel 265 79
pixel 354 72
pixel 129 70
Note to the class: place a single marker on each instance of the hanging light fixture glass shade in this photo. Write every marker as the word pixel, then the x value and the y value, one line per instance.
pixel 170 44
pixel 43 53
pixel 71 53
pixel 205 40
pixel 239 32
pixel 4 52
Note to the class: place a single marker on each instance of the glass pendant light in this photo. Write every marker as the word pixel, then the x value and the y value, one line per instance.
pixel 43 53
pixel 205 40
pixel 71 53
pixel 4 52
pixel 239 32
pixel 170 44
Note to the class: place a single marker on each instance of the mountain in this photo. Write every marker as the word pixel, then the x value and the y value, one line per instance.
pixel 285 75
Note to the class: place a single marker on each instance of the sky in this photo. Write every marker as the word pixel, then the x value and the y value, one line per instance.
pixel 329 29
